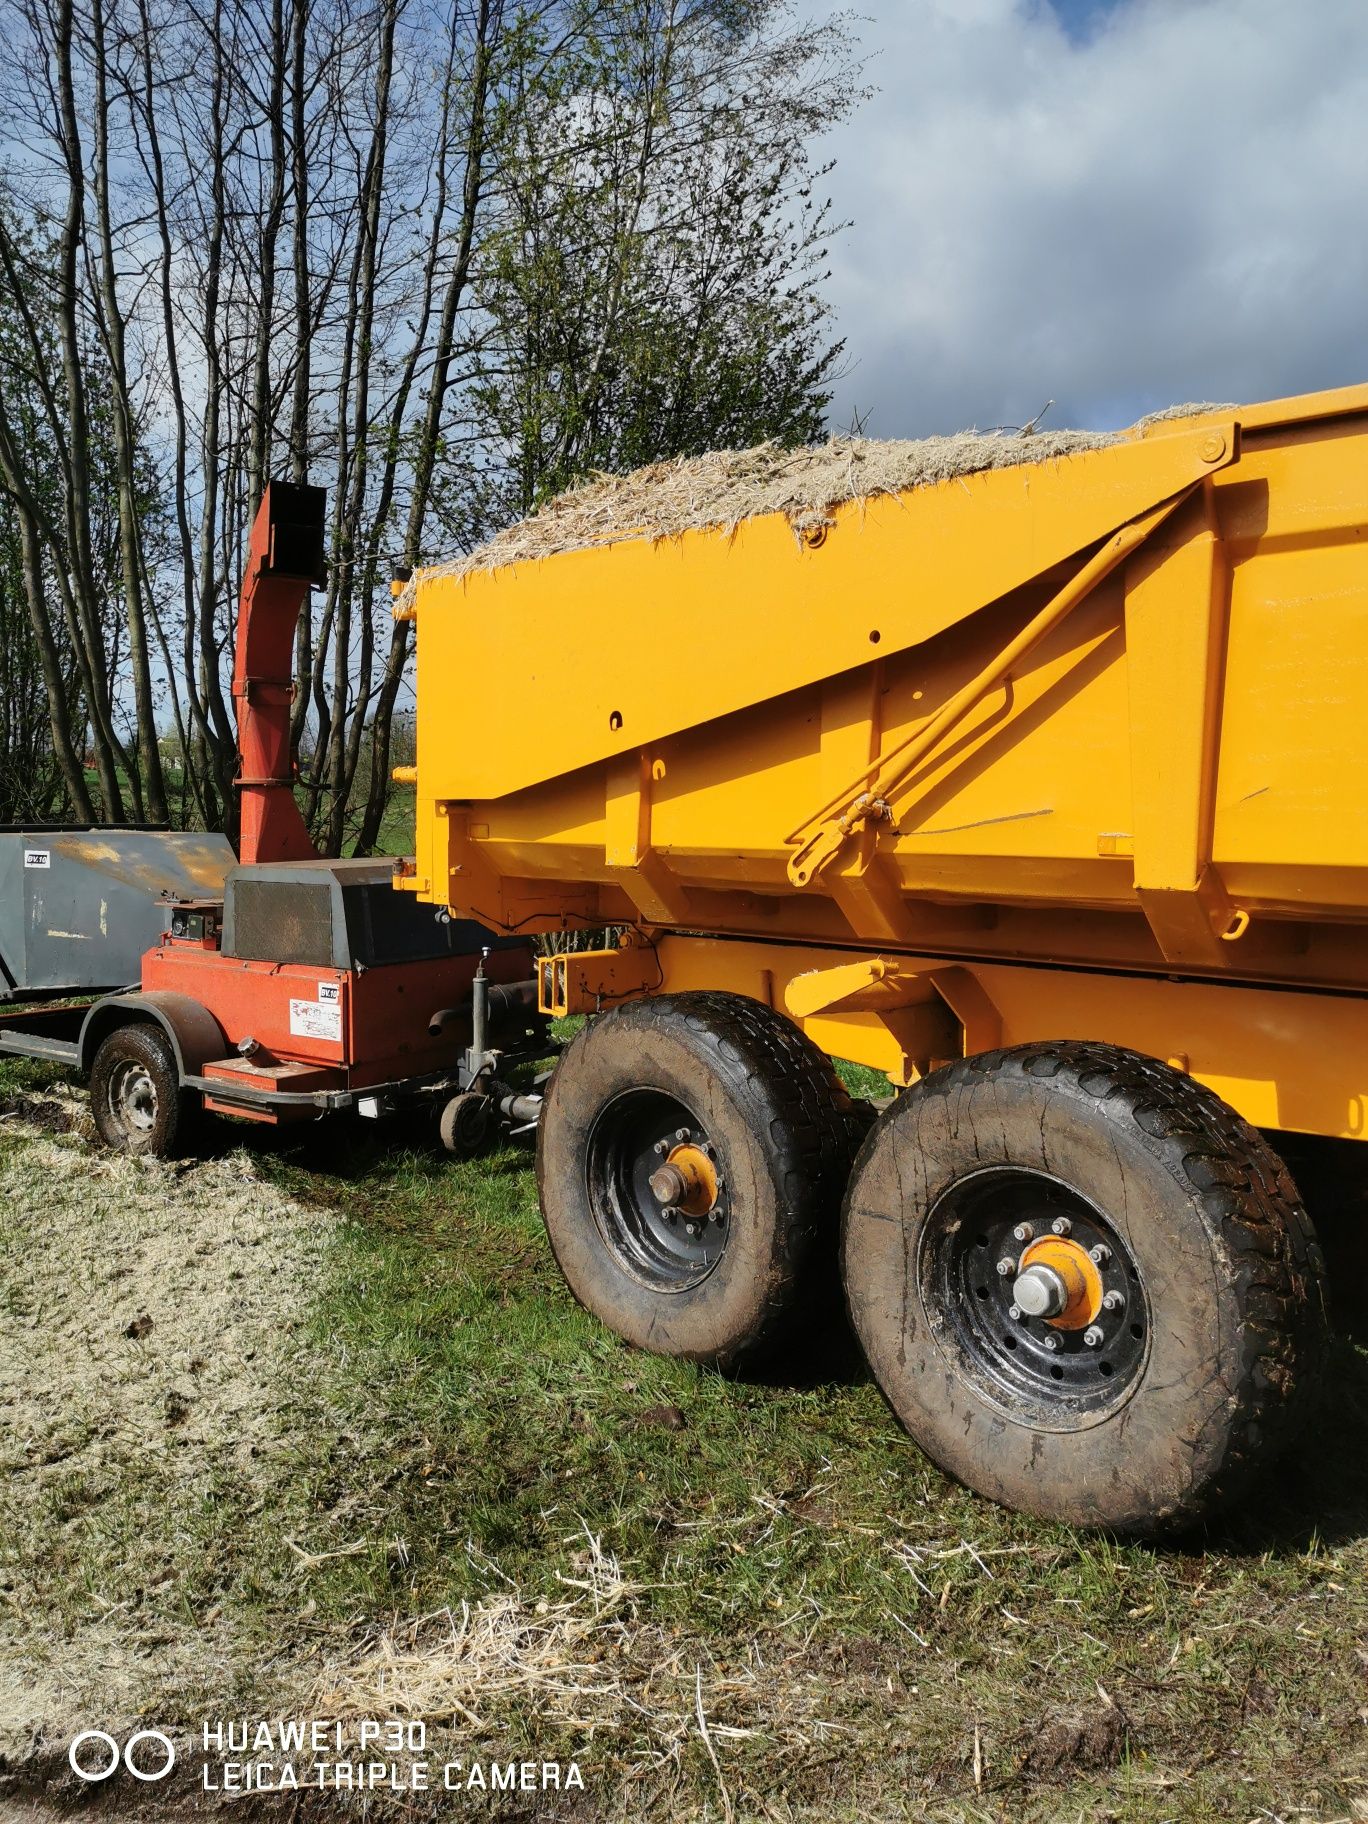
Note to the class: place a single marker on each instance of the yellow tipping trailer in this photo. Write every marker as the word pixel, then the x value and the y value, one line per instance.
pixel 1034 786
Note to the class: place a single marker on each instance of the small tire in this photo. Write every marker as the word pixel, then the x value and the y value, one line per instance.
pixel 720 1087
pixel 136 1100
pixel 467 1124
pixel 1199 1339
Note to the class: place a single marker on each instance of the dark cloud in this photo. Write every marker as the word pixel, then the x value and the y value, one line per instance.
pixel 1127 206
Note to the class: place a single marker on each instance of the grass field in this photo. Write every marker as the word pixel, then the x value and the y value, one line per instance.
pixel 408 1474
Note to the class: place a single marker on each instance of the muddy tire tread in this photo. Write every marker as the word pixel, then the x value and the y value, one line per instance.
pixel 1250 1192
pixel 816 1129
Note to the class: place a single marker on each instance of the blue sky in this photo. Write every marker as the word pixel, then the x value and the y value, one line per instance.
pixel 1117 204
pixel 1081 18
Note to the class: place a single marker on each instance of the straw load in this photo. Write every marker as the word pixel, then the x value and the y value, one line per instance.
pixel 719 490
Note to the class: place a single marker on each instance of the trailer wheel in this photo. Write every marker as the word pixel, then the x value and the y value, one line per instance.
pixel 1086 1287
pixel 466 1124
pixel 691 1158
pixel 136 1099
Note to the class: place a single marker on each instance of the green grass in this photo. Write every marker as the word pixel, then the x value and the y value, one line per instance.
pixel 793 1520
pixel 860 1080
pixel 396 826
pixel 889 1645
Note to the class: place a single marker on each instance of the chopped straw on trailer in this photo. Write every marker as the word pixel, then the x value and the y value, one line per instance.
pixel 723 487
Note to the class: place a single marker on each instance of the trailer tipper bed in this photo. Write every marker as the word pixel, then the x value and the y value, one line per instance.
pixel 1028 776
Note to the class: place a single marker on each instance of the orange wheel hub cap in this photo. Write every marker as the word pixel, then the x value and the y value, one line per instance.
pixel 1078 1271
pixel 694 1189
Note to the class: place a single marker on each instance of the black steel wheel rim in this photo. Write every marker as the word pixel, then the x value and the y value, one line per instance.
pixel 667 1250
pixel 1029 1366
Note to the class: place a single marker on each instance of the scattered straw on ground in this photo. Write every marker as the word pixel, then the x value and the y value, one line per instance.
pixel 147 1317
pixel 587 1666
pixel 719 490
pixel 449 1667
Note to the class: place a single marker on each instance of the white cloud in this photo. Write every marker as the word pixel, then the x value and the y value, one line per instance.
pixel 1171 207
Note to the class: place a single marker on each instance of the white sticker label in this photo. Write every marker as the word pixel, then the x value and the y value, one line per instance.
pixel 37 858
pixel 316 1020
pixel 328 991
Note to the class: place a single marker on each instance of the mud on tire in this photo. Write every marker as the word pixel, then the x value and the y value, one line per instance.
pixel 768 1123
pixel 136 1100
pixel 1218 1326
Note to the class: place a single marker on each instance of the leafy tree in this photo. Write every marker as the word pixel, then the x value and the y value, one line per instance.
pixel 46 670
pixel 653 276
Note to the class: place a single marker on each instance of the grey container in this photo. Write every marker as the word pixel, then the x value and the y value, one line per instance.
pixel 79 907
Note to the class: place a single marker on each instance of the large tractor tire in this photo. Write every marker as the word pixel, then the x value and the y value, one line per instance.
pixel 136 1099
pixel 1086 1287
pixel 691 1158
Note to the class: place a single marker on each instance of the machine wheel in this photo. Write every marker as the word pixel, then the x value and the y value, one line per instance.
pixel 691 1158
pixel 1086 1287
pixel 136 1099
pixel 467 1123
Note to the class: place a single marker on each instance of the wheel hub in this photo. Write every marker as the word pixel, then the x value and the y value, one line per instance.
pixel 687 1181
pixel 133 1097
pixel 1059 1281
pixel 1040 1292
pixel 657 1190
pixel 1030 1289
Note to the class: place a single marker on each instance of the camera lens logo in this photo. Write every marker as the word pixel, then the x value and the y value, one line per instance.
pixel 95 1755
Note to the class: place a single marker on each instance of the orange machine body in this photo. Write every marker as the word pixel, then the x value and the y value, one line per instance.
pixel 316 985
pixel 369 1029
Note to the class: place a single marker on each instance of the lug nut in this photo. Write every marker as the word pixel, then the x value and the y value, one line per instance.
pixel 681 1133
pixel 1014 1312
pixel 671 1214
pixel 1006 1268
pixel 1051 1341
pixel 1093 1337
pixel 662 1147
pixel 1062 1226
pixel 1023 1232
pixel 1099 1255
pixel 691 1228
pixel 1113 1301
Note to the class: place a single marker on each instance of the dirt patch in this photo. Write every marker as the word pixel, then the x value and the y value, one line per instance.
pixel 667 1418
pixel 44 1112
pixel 1077 1741
pixel 149 1383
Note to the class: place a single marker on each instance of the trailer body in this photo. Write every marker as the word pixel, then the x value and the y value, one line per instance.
pixel 1059 747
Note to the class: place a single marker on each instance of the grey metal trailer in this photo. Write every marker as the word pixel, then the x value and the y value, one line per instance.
pixel 78 907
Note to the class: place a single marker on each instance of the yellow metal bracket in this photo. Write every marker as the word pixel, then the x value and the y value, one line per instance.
pixel 585 981
pixel 1177 603
pixel 628 847
pixel 932 1015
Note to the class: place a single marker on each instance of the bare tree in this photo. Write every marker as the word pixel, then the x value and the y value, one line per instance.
pixel 439 259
